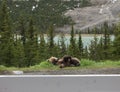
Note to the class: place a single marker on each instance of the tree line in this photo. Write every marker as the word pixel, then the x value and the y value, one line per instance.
pixel 44 12
pixel 24 49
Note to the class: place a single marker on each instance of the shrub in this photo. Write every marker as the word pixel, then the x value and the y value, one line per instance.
pixel 2 67
pixel 86 62
pixel 46 64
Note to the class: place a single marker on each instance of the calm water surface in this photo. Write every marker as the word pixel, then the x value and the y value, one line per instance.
pixel 86 39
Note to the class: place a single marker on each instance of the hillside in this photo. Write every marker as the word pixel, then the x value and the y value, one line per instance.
pixel 43 12
pixel 95 15
pixel 84 13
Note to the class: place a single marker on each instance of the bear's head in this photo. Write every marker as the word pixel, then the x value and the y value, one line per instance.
pixel 67 58
pixel 53 60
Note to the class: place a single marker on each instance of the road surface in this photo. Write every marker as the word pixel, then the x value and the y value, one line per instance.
pixel 60 83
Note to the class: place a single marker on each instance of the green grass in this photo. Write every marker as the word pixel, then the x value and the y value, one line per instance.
pixel 85 64
pixel 42 66
pixel 108 64
pixel 102 64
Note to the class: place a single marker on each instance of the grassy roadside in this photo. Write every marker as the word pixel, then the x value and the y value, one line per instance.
pixel 85 64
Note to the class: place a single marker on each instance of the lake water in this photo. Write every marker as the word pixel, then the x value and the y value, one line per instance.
pixel 86 39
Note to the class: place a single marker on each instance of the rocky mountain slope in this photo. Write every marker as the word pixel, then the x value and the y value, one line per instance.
pixel 95 15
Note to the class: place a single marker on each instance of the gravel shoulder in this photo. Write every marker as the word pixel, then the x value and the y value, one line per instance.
pixel 76 72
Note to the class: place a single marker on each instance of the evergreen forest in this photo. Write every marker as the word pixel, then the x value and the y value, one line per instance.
pixel 23 22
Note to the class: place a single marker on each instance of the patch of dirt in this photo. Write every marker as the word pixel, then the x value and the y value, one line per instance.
pixel 76 72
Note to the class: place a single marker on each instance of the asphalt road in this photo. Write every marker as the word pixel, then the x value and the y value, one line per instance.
pixel 60 83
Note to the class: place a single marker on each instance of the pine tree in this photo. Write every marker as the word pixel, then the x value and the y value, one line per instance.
pixel 42 48
pixel 19 54
pixel 106 40
pixel 96 48
pixel 63 47
pixel 73 47
pixel 22 29
pixel 31 46
pixel 86 53
pixel 6 36
pixel 93 49
pixel 80 45
pixel 51 36
pixel 51 45
pixel 101 49
pixel 116 43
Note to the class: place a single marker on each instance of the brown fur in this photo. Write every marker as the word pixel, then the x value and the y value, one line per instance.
pixel 65 61
pixel 53 60
pixel 75 62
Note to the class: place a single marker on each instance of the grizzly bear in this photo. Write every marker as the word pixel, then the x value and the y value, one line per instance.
pixel 75 61
pixel 53 60
pixel 67 61
pixel 61 63
pixel 67 58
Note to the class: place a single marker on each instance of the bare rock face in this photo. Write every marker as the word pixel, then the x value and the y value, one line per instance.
pixel 95 15
pixel 98 2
